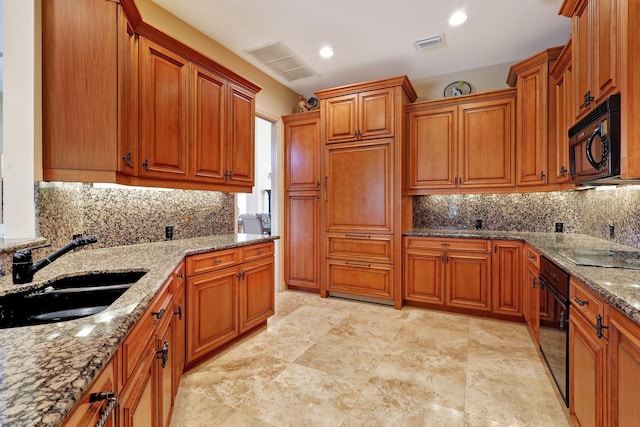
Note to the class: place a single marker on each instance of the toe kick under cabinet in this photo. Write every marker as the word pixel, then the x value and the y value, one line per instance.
pixel 229 293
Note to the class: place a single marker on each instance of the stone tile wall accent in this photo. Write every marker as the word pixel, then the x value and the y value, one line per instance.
pixel 125 216
pixel 588 212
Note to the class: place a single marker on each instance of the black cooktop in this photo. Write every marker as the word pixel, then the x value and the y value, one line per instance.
pixel 603 258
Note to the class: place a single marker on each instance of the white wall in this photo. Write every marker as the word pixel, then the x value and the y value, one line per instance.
pixel 482 79
pixel 22 117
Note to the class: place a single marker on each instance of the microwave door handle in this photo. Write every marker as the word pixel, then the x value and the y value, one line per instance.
pixel 605 149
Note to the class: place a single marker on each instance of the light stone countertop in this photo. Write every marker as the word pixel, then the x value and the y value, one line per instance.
pixel 45 369
pixel 619 287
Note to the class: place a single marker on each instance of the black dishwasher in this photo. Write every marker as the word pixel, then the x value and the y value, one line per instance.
pixel 554 323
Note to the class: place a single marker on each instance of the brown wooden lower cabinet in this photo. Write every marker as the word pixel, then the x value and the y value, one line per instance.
pixel 506 277
pixel 624 370
pixel 225 303
pixel 87 413
pixel 531 290
pixel 221 304
pixel 587 373
pixel 448 272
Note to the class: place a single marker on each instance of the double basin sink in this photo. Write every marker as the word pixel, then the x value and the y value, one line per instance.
pixel 66 298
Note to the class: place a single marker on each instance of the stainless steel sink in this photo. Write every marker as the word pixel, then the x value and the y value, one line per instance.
pixel 66 298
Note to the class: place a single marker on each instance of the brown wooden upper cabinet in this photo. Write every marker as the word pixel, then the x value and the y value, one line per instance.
pixel 595 50
pixel 562 73
pixel 466 143
pixel 105 74
pixel 535 118
pixel 359 116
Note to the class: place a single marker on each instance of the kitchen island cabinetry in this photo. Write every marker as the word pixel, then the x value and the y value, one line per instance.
pixel 229 293
pixel 302 206
pixel 466 143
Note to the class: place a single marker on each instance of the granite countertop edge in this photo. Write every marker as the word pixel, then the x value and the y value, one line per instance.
pixel 619 287
pixel 44 379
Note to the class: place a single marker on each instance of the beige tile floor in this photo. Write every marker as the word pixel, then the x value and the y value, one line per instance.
pixel 336 362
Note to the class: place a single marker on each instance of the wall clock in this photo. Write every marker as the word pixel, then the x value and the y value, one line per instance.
pixel 457 88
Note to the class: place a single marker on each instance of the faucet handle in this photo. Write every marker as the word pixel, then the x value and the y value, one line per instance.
pixel 25 250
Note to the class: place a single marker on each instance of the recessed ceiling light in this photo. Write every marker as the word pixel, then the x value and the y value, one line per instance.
pixel 326 52
pixel 457 18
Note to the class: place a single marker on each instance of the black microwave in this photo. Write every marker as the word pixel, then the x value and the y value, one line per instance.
pixel 594 145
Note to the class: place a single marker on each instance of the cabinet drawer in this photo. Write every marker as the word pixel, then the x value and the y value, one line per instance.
pixel 378 248
pixel 360 278
pixel 133 347
pixel 448 244
pixel 532 256
pixel 584 301
pixel 210 261
pixel 249 253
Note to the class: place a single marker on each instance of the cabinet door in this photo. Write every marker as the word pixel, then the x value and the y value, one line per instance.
pixel 532 307
pixel 486 133
pixel 624 360
pixel 341 118
pixel 257 293
pixel 241 133
pixel 587 373
pixel 532 126
pixel 468 280
pixel 564 116
pixel 86 413
pixel 302 239
pixel 303 153
pixel 80 85
pixel 179 343
pixel 128 143
pixel 595 30
pixel 164 97
pixel 212 315
pixel 433 147
pixel 164 374
pixel 208 137
pixel 424 276
pixel 358 187
pixel 580 57
pixel 375 114
pixel 506 267
pixel 138 406
pixel 605 58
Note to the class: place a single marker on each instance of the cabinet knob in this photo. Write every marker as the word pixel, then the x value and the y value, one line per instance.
pixel 158 314
pixel 588 99
pixel 563 170
pixel 145 165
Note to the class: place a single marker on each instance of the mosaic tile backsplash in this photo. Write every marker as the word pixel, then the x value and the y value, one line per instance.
pixel 124 216
pixel 588 212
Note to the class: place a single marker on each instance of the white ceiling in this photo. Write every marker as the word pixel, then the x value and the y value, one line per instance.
pixel 373 39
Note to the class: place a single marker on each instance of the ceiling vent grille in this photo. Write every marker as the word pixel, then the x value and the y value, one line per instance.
pixel 429 42
pixel 282 60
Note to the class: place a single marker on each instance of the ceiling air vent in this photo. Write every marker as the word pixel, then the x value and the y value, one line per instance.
pixel 429 42
pixel 279 58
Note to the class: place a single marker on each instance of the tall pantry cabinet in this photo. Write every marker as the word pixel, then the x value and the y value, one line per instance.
pixel 302 205
pixel 363 137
